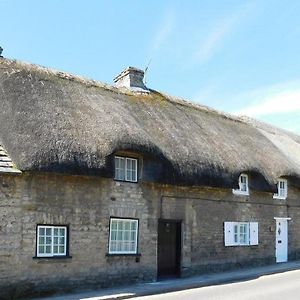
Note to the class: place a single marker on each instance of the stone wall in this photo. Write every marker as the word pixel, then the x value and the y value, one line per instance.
pixel 85 204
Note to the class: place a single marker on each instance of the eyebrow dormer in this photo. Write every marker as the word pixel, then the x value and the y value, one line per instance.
pixel 282 189
pixel 243 186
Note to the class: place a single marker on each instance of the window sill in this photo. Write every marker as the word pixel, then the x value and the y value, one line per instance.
pixel 279 197
pixel 52 257
pixel 120 180
pixel 123 254
pixel 240 193
pixel 242 245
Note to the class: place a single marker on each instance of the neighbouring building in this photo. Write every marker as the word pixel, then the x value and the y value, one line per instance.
pixel 104 185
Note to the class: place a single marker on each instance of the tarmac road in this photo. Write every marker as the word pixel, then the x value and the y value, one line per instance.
pixel 281 286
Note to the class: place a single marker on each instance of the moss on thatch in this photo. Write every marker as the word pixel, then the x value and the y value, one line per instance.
pixel 53 121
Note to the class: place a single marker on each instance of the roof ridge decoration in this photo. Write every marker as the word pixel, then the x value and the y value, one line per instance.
pixel 6 164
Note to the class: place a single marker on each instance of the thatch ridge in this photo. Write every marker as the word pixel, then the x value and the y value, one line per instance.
pixel 54 121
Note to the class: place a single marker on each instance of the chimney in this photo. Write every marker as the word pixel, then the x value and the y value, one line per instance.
pixel 131 78
pixel 1 49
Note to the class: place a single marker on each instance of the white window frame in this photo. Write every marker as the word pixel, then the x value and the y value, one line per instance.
pixel 233 229
pixel 127 159
pixel 282 193
pixel 241 191
pixel 52 227
pixel 135 241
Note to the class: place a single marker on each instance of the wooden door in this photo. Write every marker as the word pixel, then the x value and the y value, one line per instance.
pixel 169 248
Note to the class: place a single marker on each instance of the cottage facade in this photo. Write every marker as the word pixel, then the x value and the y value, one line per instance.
pixel 103 185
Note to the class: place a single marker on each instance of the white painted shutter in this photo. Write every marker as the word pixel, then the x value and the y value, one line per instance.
pixel 229 233
pixel 253 233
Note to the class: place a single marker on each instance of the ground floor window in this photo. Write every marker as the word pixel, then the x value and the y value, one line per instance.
pixel 240 233
pixel 51 241
pixel 123 236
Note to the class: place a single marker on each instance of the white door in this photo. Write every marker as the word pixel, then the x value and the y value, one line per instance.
pixel 281 240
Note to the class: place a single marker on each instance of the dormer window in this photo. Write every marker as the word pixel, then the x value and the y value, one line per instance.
pixel 243 186
pixel 125 169
pixel 282 189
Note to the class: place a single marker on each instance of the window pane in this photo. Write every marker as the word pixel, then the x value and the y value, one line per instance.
pixel 133 225
pixel 132 236
pixel 41 231
pixel 127 225
pixel 120 225
pixel 48 231
pixel 113 224
pixel 120 235
pixel 129 175
pixel 61 249
pixel 112 246
pixel 119 168
pixel 126 235
pixel 113 235
pixel 41 249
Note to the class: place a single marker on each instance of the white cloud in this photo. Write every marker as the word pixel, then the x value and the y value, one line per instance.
pixel 272 100
pixel 285 102
pixel 218 34
pixel 164 30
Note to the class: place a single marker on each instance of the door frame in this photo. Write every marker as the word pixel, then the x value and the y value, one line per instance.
pixel 178 223
pixel 277 219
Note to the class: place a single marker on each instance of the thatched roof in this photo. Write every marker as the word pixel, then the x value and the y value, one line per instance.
pixel 53 121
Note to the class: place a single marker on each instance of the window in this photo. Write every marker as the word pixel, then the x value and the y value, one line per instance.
pixel 123 236
pixel 282 189
pixel 51 241
pixel 240 233
pixel 243 186
pixel 125 169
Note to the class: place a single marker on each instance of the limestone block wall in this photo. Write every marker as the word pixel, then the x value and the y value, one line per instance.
pixel 85 205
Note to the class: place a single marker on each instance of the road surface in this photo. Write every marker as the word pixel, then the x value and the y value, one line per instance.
pixel 282 286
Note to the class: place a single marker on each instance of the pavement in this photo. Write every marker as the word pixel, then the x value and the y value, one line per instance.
pixel 177 284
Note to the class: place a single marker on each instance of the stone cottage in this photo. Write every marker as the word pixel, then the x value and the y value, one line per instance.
pixel 103 185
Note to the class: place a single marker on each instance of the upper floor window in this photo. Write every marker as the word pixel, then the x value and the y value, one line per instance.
pixel 282 189
pixel 51 241
pixel 243 186
pixel 125 169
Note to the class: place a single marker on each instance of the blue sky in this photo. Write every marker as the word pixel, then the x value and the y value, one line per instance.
pixel 241 57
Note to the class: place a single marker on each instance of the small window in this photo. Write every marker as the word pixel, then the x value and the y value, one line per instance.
pixel 282 189
pixel 126 169
pixel 240 233
pixel 123 236
pixel 51 241
pixel 243 186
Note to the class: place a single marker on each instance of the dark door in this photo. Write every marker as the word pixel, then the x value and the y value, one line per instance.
pixel 169 248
